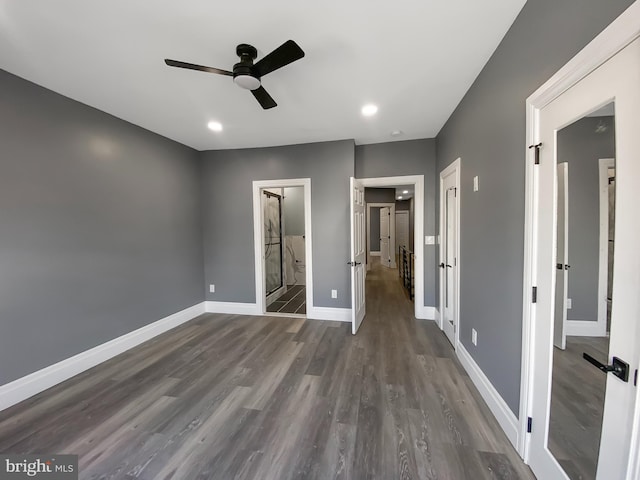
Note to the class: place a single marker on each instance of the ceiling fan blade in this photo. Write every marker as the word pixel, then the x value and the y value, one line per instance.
pixel 191 66
pixel 264 98
pixel 286 53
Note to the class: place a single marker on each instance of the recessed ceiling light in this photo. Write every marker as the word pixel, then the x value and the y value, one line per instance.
pixel 369 110
pixel 215 126
pixel 395 133
pixel 400 197
pixel 405 191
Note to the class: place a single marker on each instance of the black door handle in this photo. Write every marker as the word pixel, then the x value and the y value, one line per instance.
pixel 442 265
pixel 449 266
pixel 353 264
pixel 619 367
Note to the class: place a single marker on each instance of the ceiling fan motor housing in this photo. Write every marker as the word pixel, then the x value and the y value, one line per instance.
pixel 243 75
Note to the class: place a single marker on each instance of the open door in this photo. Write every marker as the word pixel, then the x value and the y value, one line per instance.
pixel 562 258
pixel 358 254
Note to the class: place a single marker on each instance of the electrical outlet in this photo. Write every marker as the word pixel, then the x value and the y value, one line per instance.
pixel 568 303
pixel 475 183
pixel 212 288
pixel 474 336
pixel 429 240
pixel 334 293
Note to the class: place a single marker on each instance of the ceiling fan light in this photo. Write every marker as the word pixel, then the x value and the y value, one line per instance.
pixel 247 82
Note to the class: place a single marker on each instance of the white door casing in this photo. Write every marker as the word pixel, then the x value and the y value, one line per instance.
pixel 385 237
pixel 562 258
pixel 449 251
pixel 417 181
pixel 358 254
pixel 617 79
pixel 258 225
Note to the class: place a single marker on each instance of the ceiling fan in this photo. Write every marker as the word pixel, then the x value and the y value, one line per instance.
pixel 246 74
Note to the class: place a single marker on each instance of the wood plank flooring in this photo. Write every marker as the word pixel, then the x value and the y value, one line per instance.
pixel 577 405
pixel 239 397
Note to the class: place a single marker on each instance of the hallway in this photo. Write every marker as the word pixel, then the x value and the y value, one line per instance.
pixel 239 397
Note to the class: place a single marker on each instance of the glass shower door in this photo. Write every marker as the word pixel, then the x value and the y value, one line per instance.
pixel 272 242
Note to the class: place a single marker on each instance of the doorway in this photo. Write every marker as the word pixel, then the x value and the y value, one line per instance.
pixel 449 251
pixel 282 242
pixel 593 395
pixel 359 235
pixel 381 232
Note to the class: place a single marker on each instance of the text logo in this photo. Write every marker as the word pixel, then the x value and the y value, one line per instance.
pixel 49 467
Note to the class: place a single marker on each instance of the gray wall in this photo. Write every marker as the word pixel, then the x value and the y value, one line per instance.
pixel 412 157
pixel 487 130
pixel 101 228
pixel 582 147
pixel 374 233
pixel 228 226
pixel 402 205
pixel 293 210
pixel 379 195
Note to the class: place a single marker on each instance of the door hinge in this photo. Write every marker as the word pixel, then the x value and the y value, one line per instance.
pixel 536 160
pixel 529 424
pixel 455 192
pixel 635 378
pixel 534 294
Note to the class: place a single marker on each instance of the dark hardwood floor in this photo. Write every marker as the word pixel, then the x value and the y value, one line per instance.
pixel 239 397
pixel 577 405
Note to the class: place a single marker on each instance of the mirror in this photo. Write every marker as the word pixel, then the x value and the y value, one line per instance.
pixel 584 267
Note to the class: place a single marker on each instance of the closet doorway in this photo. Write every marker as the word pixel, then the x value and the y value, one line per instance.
pixel 282 211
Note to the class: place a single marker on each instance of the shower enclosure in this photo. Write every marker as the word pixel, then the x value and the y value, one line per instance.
pixel 273 242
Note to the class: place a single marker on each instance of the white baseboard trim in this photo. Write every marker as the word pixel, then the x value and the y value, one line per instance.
pixel 427 313
pixel 585 328
pixel 36 382
pixel 232 307
pixel 329 313
pixel 506 418
pixel 437 315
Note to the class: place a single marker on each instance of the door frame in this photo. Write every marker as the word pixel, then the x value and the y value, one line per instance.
pixel 453 168
pixel 258 240
pixel 392 206
pixel 420 311
pixel 620 33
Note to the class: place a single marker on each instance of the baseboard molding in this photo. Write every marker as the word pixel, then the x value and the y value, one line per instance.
pixel 232 307
pixel 39 381
pixel 329 313
pixel 427 313
pixel 437 315
pixel 505 417
pixel 585 328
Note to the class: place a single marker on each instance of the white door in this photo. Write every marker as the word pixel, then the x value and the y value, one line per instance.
pixel 358 254
pixel 450 259
pixel 617 79
pixel 402 230
pixel 385 237
pixel 562 267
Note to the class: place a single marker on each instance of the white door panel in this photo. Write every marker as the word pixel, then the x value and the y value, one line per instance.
pixel 358 254
pixel 618 79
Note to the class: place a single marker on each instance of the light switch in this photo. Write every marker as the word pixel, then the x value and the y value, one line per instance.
pixel 475 183
pixel 334 293
pixel 429 240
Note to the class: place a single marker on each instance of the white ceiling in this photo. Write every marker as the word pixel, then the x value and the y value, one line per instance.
pixel 414 59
